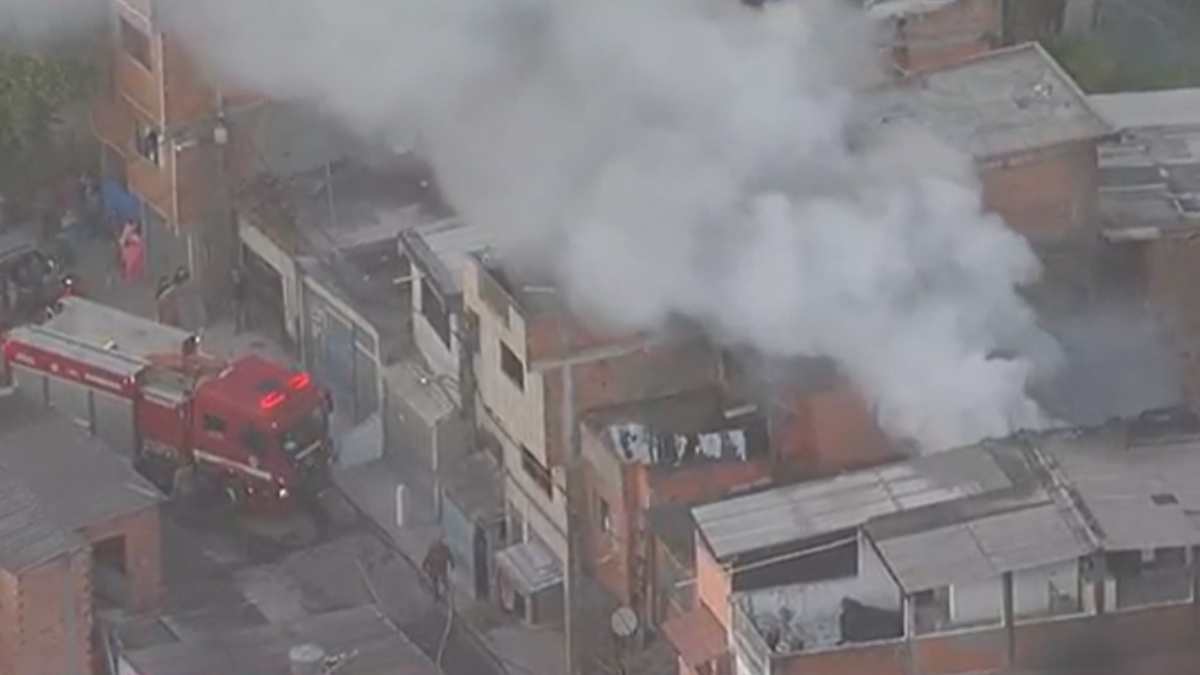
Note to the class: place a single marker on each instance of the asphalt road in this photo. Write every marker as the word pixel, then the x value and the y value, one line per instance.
pixel 463 655
pixel 349 564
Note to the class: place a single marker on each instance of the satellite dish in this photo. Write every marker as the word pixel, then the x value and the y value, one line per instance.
pixel 624 622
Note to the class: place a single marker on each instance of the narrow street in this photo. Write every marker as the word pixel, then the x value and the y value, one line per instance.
pixel 229 572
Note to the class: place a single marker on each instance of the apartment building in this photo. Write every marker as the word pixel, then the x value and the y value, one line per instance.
pixel 538 370
pixel 168 159
pixel 1044 551
pixel 643 460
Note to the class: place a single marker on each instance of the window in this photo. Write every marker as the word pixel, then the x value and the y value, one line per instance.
pixel 604 514
pixel 512 366
pixel 214 425
pixel 135 43
pixel 434 311
pixel 146 141
pixel 536 471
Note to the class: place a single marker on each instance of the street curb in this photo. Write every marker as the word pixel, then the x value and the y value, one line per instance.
pixel 383 535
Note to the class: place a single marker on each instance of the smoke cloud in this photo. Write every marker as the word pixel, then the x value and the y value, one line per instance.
pixel 683 157
pixel 34 22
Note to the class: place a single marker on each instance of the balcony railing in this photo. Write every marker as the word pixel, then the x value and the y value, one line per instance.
pixel 748 642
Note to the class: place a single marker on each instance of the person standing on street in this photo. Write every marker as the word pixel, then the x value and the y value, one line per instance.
pixel 437 565
pixel 164 302
pixel 132 253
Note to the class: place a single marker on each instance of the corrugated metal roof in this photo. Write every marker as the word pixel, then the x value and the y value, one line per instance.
pixel 798 512
pixel 1165 108
pixel 1140 497
pixel 1003 102
pixel 74 480
pixel 28 535
pixel 985 547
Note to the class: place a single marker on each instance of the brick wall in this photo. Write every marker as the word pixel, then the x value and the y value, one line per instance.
pixel 51 618
pixel 701 482
pixel 9 629
pixel 607 555
pixel 139 84
pixel 1090 640
pixel 1045 195
pixel 713 584
pixel 187 92
pixel 143 554
pixel 817 433
pixel 1106 638
pixel 948 35
pixel 883 659
pixel 655 371
pixel 1171 268
pixel 610 554
pixel 978 651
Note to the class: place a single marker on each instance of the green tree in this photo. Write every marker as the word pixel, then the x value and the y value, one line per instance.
pixel 33 88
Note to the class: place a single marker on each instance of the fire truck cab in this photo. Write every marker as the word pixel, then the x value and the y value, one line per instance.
pixel 257 427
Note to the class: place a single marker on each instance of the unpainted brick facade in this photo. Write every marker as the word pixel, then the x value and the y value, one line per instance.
pixel 46 617
pixel 625 498
pixel 142 535
pixel 947 35
pixel 1098 640
pixel 1170 267
pixel 46 613
pixel 816 433
pixel 1047 194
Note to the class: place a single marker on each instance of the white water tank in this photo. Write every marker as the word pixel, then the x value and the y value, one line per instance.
pixel 307 659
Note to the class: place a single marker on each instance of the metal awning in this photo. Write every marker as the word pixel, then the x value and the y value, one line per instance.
pixel 697 636
pixel 530 567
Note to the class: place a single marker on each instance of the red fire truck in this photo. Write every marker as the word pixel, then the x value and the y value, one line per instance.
pixel 257 428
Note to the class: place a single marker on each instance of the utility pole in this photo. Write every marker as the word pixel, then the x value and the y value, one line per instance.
pixel 573 565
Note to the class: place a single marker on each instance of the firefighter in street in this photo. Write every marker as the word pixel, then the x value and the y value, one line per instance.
pixel 437 565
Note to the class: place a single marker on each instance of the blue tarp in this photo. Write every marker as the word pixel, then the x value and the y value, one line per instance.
pixel 119 204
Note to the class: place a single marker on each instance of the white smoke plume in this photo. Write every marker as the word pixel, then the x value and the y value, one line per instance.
pixel 682 157
pixel 35 22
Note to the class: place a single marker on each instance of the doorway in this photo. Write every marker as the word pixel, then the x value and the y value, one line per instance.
pixel 481 563
pixel 110 572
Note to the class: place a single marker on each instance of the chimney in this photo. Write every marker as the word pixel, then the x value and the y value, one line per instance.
pixel 306 659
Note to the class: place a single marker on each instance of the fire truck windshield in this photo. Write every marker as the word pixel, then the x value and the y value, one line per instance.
pixel 305 435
